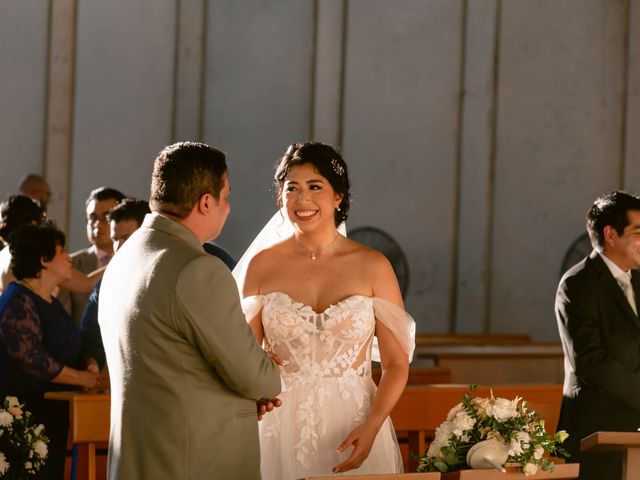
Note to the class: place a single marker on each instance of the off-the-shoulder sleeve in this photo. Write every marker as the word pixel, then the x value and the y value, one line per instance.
pixel 251 306
pixel 399 322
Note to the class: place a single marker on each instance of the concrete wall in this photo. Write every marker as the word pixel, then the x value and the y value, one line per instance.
pixel 477 132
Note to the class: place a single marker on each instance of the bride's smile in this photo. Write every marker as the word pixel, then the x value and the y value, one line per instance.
pixel 309 198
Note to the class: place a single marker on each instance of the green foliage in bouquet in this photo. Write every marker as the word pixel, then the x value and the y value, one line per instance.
pixel 508 421
pixel 23 445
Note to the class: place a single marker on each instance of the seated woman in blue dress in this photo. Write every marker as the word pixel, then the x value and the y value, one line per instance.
pixel 39 344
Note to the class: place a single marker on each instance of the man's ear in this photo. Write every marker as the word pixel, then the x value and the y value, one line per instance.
pixel 205 202
pixel 610 235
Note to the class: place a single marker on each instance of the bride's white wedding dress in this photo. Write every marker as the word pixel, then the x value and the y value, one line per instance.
pixel 328 389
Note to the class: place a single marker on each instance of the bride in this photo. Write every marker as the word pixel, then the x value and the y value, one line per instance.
pixel 316 300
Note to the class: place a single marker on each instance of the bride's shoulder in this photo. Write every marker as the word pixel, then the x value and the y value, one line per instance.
pixel 365 255
pixel 266 258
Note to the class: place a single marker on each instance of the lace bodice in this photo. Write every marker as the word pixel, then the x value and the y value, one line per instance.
pixel 332 343
pixel 316 345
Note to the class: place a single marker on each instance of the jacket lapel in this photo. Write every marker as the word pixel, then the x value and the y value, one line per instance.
pixel 614 289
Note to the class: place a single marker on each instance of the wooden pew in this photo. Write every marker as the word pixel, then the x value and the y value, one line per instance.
pixel 423 339
pixel 89 415
pixel 420 375
pixel 496 363
pixel 422 408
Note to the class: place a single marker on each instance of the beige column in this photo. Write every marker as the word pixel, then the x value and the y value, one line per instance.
pixel 59 104
pixel 190 57
pixel 328 76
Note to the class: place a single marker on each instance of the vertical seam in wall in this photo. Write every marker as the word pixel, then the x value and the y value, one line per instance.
pixel 625 93
pixel 492 169
pixel 176 71
pixel 47 84
pixel 343 72
pixel 313 69
pixel 72 101
pixel 455 239
pixel 203 67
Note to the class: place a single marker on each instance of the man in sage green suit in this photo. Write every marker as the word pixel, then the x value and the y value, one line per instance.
pixel 185 369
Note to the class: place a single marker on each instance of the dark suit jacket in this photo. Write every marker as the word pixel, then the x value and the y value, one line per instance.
pixel 600 336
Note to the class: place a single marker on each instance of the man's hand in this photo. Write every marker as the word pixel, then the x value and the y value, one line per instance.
pixel 265 405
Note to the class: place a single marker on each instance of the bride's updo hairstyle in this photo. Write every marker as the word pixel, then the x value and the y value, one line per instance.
pixel 327 161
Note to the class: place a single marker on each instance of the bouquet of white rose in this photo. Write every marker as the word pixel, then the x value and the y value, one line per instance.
pixel 507 423
pixel 23 445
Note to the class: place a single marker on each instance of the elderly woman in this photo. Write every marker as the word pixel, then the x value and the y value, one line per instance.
pixel 39 344
pixel 17 211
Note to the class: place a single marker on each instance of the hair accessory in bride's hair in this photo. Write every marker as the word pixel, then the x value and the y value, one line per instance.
pixel 339 169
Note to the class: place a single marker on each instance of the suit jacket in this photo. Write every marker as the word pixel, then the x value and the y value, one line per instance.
pixel 600 337
pixel 185 368
pixel 85 261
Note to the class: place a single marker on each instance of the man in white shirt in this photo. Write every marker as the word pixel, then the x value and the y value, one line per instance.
pixel 596 311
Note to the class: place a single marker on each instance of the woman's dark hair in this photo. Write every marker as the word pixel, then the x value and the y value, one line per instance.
pixel 327 161
pixel 31 244
pixel 16 211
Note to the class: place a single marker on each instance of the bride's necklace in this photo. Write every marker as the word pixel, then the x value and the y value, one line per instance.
pixel 313 254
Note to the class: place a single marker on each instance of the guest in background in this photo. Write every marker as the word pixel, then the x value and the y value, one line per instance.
pixel 597 314
pixel 15 211
pixel 20 210
pixel 98 204
pixel 124 219
pixel 36 187
pixel 39 345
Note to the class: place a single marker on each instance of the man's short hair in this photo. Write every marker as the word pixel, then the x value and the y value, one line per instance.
pixel 610 209
pixel 104 193
pixel 129 209
pixel 182 173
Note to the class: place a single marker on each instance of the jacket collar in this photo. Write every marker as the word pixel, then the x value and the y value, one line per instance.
pixel 612 286
pixel 155 221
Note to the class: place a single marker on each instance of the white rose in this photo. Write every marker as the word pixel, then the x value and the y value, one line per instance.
pixel 4 465
pixel 6 418
pixel 501 409
pixel 461 423
pixel 530 469
pixel 444 430
pixel 13 401
pixel 41 449
pixel 38 430
pixel 538 452
pixel 28 466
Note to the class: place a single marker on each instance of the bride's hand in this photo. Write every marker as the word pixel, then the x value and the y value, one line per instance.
pixel 362 439
pixel 265 405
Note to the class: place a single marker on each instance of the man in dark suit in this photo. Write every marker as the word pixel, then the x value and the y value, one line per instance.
pixel 599 327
